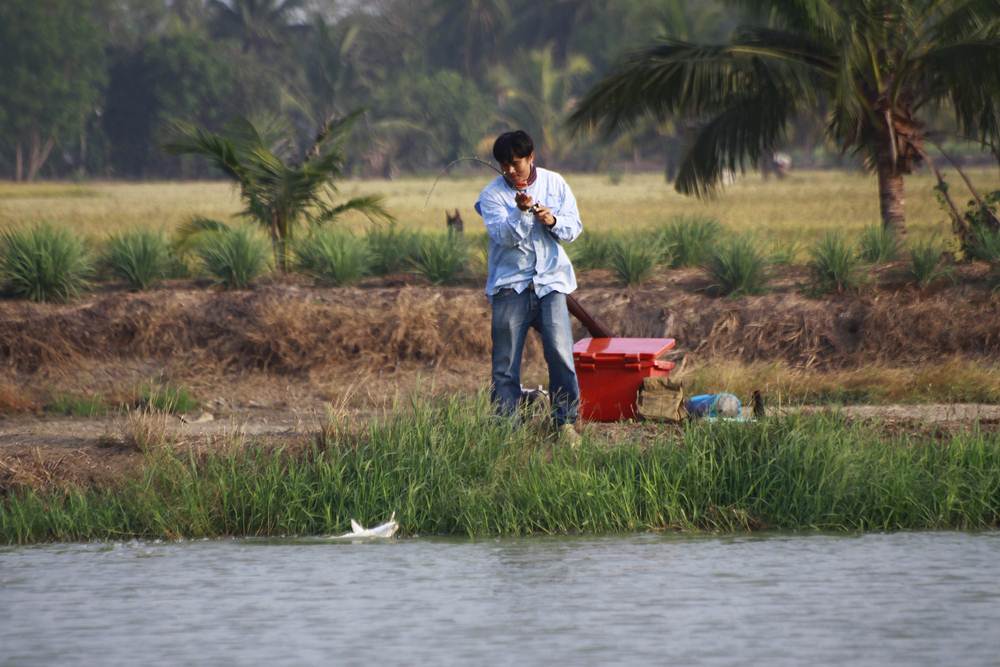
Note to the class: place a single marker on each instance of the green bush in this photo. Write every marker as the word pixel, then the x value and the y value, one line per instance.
pixel 235 257
pixel 333 257
pixel 43 263
pixel 391 249
pixel 140 257
pixel 834 265
pixel 878 245
pixel 167 398
pixel 593 251
pixel 926 264
pixel 690 240
pixel 73 405
pixel 985 244
pixel 442 258
pixel 634 259
pixel 737 267
pixel 784 254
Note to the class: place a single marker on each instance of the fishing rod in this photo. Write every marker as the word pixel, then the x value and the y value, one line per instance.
pixel 534 207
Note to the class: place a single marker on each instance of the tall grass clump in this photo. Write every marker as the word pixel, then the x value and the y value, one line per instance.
pixel 834 265
pixel 691 239
pixel 140 257
pixel 737 267
pixel 878 244
pixel 333 257
pixel 235 257
pixel 926 264
pixel 633 259
pixel 43 263
pixel 442 258
pixel 593 250
pixel 391 249
pixel 451 468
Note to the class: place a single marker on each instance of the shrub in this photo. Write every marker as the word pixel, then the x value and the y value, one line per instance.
pixel 926 265
pixel 391 249
pixel 235 257
pixel 737 266
pixel 833 264
pixel 985 244
pixel 878 245
pixel 442 258
pixel 690 239
pixel 633 259
pixel 43 263
pixel 333 257
pixel 73 405
pixel 139 257
pixel 592 251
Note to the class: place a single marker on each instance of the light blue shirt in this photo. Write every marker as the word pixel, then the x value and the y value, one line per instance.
pixel 523 252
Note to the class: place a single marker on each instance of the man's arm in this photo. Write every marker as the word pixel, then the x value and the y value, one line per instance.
pixel 563 220
pixel 506 228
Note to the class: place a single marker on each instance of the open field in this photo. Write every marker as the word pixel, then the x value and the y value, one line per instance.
pixel 802 207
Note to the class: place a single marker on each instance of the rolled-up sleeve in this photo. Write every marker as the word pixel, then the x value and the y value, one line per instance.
pixel 568 226
pixel 505 227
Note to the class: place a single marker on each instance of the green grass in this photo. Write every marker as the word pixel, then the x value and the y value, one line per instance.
pixel 234 258
pixel 877 245
pixel 633 259
pixel 140 257
pixel 333 257
pixel 691 240
pixel 391 248
pixel 452 469
pixel 78 405
pixel 442 258
pixel 167 398
pixel 43 263
pixel 926 264
pixel 834 265
pixel 738 267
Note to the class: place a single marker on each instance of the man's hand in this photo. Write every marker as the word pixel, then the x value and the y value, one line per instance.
pixel 544 215
pixel 523 200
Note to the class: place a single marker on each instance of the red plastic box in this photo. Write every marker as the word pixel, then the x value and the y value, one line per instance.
pixel 610 371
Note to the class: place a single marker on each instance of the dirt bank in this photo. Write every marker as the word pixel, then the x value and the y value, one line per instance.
pixel 288 329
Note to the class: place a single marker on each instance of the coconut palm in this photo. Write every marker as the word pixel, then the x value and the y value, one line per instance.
pixel 537 93
pixel 877 65
pixel 279 193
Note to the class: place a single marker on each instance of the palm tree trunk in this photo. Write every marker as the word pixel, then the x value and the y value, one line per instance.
pixel 892 204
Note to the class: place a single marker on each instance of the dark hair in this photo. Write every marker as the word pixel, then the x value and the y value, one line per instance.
pixel 512 144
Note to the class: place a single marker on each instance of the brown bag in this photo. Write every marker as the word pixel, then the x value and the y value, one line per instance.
pixel 662 399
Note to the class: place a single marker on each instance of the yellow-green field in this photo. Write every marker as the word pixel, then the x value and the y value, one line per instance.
pixel 801 207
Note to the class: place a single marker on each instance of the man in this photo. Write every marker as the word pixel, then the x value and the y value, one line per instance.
pixel 527 212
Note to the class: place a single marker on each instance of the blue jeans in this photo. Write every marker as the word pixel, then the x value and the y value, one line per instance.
pixel 513 315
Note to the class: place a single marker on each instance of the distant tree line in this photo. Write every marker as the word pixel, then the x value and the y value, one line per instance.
pixel 88 88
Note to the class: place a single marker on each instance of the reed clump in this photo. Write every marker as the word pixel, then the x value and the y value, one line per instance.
pixel 452 468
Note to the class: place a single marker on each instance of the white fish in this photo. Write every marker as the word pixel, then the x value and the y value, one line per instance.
pixel 385 530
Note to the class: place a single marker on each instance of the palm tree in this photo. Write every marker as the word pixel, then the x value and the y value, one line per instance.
pixel 279 193
pixel 878 65
pixel 537 93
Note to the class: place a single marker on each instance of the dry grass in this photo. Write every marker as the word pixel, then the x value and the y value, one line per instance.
pixel 949 380
pixel 803 207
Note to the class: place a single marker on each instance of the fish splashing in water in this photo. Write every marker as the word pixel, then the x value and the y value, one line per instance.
pixel 385 530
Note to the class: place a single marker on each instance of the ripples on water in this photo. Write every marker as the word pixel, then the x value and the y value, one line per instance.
pixel 905 598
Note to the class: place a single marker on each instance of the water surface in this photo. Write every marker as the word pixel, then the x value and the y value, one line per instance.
pixel 906 599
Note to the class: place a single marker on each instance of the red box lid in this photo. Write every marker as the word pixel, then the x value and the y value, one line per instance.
pixel 614 350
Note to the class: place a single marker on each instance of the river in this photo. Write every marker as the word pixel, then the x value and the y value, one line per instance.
pixel 873 599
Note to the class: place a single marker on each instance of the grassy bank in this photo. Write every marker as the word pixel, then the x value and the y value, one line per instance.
pixel 449 468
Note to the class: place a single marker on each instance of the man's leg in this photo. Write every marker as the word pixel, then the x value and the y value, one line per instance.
pixel 512 317
pixel 557 343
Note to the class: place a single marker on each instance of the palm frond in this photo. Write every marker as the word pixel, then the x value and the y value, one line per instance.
pixel 370 205
pixel 813 16
pixel 679 77
pixel 734 140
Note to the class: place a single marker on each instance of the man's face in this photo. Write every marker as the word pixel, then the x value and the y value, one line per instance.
pixel 518 169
